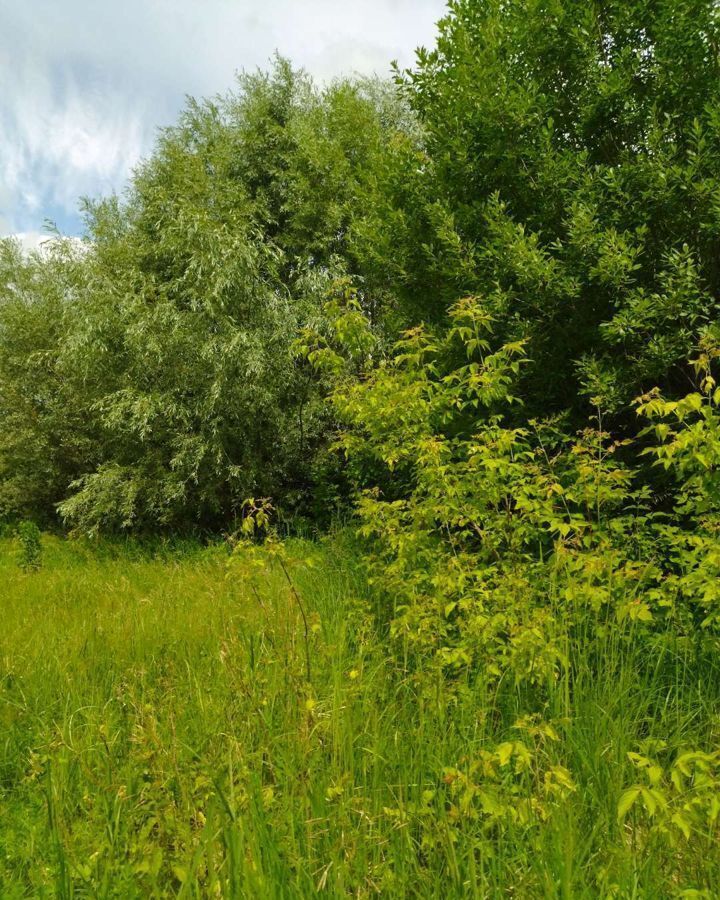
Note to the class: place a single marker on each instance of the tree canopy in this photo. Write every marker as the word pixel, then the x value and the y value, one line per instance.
pixel 148 378
pixel 558 160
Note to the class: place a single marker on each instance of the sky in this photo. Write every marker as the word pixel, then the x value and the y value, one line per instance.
pixel 85 84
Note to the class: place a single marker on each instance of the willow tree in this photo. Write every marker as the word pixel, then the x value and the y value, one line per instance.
pixel 171 336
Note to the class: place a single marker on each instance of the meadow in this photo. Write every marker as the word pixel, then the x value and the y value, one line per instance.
pixel 461 326
pixel 160 738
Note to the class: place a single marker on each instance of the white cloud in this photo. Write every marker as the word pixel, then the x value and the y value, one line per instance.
pixel 30 240
pixel 41 240
pixel 62 140
pixel 85 84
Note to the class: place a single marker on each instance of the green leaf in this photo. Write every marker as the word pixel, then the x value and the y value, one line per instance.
pixel 627 799
pixel 682 823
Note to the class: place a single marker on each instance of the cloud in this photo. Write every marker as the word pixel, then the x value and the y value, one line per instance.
pixel 85 85
pixel 63 139
pixel 30 240
pixel 41 241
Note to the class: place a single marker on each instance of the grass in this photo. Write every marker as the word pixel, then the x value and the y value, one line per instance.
pixel 160 739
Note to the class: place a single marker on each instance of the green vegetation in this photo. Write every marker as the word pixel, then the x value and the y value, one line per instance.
pixel 31 543
pixel 462 333
pixel 161 739
pixel 147 379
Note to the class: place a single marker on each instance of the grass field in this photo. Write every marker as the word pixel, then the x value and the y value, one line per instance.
pixel 159 737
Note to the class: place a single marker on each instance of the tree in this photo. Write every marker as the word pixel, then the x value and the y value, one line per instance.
pixel 45 438
pixel 574 152
pixel 170 337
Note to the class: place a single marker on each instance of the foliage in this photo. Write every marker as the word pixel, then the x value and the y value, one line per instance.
pixel 30 546
pixel 257 525
pixel 556 160
pixel 681 802
pixel 505 680
pixel 161 739
pixel 45 437
pixel 148 380
pixel 493 549
pixel 572 183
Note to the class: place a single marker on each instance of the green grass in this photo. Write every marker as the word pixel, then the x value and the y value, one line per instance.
pixel 158 737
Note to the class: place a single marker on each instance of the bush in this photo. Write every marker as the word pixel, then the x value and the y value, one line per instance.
pixel 30 546
pixel 494 546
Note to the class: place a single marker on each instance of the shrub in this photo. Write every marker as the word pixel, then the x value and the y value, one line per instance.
pixel 490 544
pixel 30 546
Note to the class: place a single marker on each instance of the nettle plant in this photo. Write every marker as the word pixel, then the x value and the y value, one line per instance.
pixel 479 528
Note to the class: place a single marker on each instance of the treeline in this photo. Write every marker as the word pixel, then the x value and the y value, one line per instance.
pixel 557 163
pixel 147 378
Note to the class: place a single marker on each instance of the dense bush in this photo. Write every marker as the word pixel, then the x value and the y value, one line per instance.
pixel 497 542
pixel 45 439
pixel 558 160
pixel 147 379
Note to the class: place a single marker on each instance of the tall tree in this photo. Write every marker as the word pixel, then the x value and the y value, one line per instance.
pixel 574 155
pixel 170 337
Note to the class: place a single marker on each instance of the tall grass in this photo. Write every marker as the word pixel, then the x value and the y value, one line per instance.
pixel 160 739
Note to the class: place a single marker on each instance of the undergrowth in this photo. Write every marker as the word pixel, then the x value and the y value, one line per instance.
pixel 161 738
